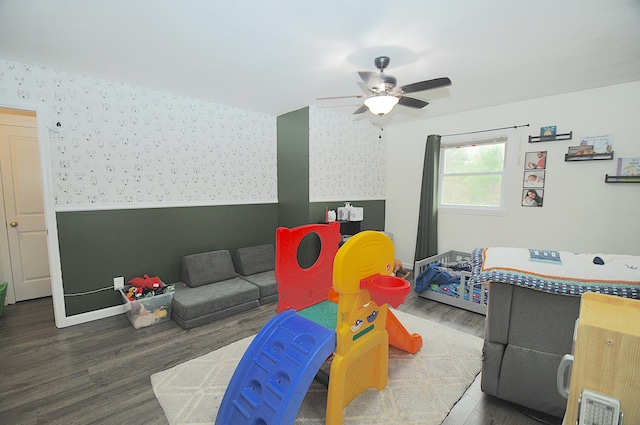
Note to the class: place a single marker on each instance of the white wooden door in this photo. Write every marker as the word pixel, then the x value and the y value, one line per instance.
pixel 24 211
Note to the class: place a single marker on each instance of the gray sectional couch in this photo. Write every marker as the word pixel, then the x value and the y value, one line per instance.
pixel 256 264
pixel 214 285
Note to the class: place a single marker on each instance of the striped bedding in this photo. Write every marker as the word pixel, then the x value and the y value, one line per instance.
pixel 558 272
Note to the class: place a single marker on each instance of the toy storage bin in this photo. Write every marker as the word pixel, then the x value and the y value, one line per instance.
pixel 148 311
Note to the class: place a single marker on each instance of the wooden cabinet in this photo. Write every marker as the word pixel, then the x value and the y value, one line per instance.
pixel 607 354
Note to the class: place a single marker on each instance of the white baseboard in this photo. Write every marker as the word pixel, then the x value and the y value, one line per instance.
pixel 90 316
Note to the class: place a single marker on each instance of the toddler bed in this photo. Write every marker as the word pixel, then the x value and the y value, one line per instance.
pixel 446 278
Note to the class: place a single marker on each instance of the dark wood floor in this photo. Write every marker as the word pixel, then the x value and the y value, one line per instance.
pixel 99 372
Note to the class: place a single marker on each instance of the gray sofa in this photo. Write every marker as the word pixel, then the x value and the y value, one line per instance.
pixel 256 264
pixel 212 288
pixel 527 333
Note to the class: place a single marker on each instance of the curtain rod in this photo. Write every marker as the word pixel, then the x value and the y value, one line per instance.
pixel 484 131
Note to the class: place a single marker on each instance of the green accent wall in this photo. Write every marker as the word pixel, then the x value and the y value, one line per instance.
pixel 293 178
pixel 293 168
pixel 96 246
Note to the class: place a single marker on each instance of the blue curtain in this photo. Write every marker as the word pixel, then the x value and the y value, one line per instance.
pixel 427 239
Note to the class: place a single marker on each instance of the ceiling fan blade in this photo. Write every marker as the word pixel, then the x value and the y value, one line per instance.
pixel 371 79
pixel 426 85
pixel 361 109
pixel 412 103
pixel 341 97
pixel 364 88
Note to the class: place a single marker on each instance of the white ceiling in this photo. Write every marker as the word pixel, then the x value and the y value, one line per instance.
pixel 277 56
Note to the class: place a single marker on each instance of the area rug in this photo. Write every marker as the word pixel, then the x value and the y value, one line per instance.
pixel 422 388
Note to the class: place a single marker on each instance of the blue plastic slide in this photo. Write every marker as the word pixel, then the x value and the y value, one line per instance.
pixel 276 371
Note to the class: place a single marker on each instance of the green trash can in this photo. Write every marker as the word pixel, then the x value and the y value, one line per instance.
pixel 3 294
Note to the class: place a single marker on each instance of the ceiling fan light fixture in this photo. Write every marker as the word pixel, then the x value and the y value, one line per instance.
pixel 381 104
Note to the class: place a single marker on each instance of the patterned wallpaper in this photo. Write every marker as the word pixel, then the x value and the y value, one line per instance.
pixel 113 146
pixel 347 158
pixel 116 144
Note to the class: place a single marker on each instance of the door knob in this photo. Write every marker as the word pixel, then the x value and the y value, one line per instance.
pixel 13 224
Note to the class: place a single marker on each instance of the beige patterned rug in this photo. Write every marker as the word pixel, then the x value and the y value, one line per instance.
pixel 422 388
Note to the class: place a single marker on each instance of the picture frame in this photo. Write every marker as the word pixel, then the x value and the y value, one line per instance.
pixel 533 179
pixel 535 160
pixel 532 197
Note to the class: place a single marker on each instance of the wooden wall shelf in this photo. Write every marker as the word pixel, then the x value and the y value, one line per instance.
pixel 621 179
pixel 563 136
pixel 588 157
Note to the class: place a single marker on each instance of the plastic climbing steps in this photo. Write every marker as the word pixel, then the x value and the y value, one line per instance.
pixel 276 371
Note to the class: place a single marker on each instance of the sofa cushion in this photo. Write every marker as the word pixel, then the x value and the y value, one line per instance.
pixel 527 334
pixel 534 313
pixel 213 316
pixel 255 259
pixel 189 303
pixel 528 378
pixel 265 281
pixel 207 267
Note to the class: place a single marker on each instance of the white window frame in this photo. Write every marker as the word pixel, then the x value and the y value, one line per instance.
pixel 447 142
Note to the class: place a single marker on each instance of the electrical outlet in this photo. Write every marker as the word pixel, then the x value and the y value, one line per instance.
pixel 118 283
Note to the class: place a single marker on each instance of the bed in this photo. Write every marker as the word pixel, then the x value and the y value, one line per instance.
pixel 446 278
pixel 558 272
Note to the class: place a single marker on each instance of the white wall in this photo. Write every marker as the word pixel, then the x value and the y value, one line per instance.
pixel 112 145
pixel 581 213
pixel 347 158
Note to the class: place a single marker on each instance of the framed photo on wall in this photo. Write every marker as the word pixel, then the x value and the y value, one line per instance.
pixel 533 179
pixel 532 197
pixel 535 160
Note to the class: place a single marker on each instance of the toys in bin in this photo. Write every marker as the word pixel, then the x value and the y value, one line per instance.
pixel 148 301
pixel 146 286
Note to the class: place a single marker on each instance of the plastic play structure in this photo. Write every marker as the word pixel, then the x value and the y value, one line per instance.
pixel 337 307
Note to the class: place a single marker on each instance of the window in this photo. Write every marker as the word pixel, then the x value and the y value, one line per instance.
pixel 473 173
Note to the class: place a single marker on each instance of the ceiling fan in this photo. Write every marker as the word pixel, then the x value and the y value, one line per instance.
pixel 382 95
